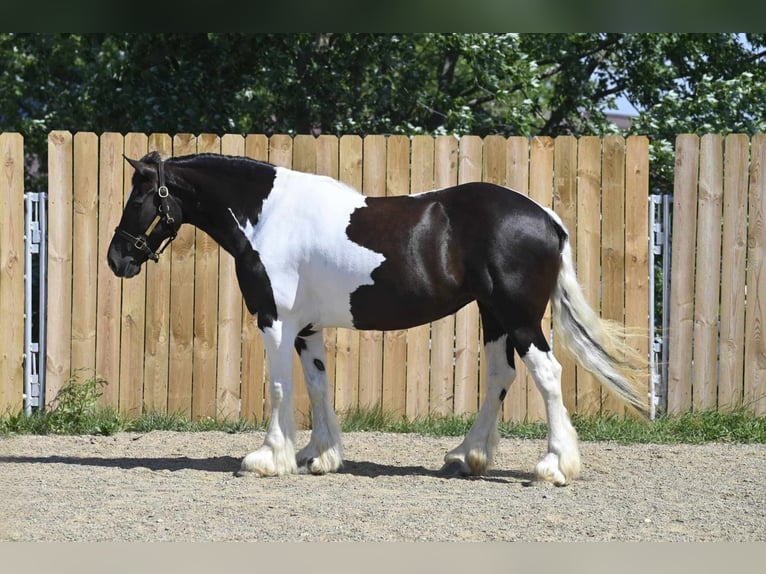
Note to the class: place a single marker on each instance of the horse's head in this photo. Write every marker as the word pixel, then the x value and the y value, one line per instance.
pixel 151 217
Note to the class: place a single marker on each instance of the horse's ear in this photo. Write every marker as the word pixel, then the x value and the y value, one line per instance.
pixel 139 166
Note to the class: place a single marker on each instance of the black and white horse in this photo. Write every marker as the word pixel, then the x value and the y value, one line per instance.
pixel 311 252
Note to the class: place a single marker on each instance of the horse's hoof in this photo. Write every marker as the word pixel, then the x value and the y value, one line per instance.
pixel 454 468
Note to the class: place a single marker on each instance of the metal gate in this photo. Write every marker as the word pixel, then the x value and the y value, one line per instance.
pixel 659 265
pixel 35 299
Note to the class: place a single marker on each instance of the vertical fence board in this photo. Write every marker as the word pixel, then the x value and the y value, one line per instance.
pixel 737 148
pixel 517 178
pixel 229 353
pixel 418 338
pixel 441 394
pixel 395 342
pixel 682 287
pixel 59 328
pixel 181 358
pixel 637 247
pixel 327 163
pixel 347 340
pixel 755 339
pixel 157 337
pixel 613 241
pixel 304 159
pixel 467 338
pixel 86 256
pixel 493 171
pixel 281 154
pixel 565 205
pixel 253 354
pixel 589 254
pixel 59 321
pixel 371 342
pixel 205 309
pixel 133 313
pixel 282 151
pixel 12 271
pixel 541 190
pixel 707 273
pixel 111 166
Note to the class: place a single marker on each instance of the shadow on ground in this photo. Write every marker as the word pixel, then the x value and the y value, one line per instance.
pixel 230 465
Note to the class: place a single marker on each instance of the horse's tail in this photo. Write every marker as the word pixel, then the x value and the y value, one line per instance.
pixel 599 345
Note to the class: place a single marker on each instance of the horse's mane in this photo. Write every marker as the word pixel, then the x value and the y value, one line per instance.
pixel 217 161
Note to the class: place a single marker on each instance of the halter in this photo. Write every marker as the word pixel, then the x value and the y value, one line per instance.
pixel 163 214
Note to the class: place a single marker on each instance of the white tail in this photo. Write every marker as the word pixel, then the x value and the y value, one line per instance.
pixel 598 344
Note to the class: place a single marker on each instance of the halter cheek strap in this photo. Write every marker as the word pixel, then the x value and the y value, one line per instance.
pixel 163 214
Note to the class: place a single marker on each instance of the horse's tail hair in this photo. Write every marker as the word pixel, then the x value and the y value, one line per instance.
pixel 599 345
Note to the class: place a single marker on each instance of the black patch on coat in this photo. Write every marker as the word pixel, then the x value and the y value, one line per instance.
pixel 300 340
pixel 216 183
pixel 502 395
pixel 475 241
pixel 256 288
pixel 319 365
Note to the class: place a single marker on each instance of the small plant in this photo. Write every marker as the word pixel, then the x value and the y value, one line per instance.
pixel 75 409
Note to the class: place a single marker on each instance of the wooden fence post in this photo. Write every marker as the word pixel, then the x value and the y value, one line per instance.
pixel 755 339
pixel 395 342
pixel 734 242
pixel 467 336
pixel 181 344
pixel 59 320
pixel 441 392
pixel 517 178
pixel 12 271
pixel 589 207
pixel 254 395
pixel 371 342
pixel 133 314
pixel 347 373
pixel 418 338
pixel 157 313
pixel 682 287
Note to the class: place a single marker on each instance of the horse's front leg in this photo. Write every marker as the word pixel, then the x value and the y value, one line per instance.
pixel 277 455
pixel 324 452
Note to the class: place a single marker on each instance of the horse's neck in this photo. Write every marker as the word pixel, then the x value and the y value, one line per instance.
pixel 213 211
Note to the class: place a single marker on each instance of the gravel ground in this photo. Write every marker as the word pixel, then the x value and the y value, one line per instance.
pixel 168 486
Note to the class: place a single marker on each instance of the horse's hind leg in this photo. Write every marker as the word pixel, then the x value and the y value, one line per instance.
pixel 562 462
pixel 324 452
pixel 474 455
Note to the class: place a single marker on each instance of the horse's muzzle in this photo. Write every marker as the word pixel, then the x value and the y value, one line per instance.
pixel 121 265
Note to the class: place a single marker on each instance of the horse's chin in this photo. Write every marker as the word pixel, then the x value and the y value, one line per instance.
pixel 127 270
pixel 131 270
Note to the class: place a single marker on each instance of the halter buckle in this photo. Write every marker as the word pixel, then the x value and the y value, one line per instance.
pixel 162 191
pixel 141 244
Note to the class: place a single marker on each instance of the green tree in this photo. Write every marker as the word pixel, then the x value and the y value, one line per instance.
pixel 528 84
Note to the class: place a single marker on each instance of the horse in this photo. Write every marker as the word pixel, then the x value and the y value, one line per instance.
pixel 311 252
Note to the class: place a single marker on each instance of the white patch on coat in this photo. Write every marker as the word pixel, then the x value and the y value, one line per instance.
pixel 301 238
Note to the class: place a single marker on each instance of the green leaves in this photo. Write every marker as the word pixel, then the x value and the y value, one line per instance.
pixel 510 84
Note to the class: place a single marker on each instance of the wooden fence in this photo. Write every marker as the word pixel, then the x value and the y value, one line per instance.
pixel 177 338
pixel 718 279
pixel 11 271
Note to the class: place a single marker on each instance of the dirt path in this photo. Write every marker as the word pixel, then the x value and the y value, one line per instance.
pixel 180 487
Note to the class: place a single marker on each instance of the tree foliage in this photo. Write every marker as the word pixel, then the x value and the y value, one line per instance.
pixel 528 84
